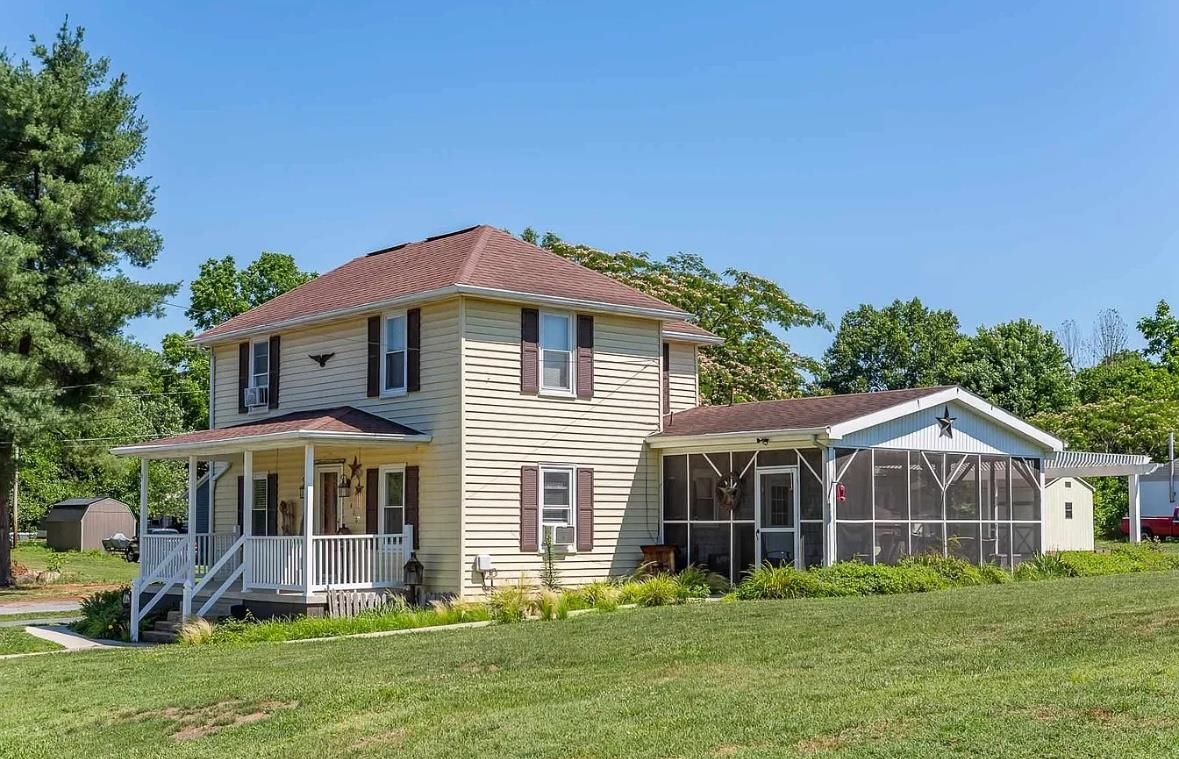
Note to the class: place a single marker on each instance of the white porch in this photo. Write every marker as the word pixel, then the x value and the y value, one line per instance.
pixel 322 541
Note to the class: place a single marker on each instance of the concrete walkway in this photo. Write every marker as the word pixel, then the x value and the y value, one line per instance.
pixel 40 607
pixel 26 621
pixel 65 637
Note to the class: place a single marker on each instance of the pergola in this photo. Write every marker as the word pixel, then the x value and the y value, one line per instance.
pixel 1088 464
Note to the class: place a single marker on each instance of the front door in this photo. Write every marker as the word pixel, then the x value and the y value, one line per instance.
pixel 327 495
pixel 777 517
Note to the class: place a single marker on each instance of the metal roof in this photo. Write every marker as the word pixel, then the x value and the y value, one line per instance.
pixel 1093 464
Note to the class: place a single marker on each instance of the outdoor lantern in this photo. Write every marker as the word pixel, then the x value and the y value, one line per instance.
pixel 126 598
pixel 345 487
pixel 413 575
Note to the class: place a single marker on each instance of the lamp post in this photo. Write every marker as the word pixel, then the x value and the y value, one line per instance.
pixel 413 576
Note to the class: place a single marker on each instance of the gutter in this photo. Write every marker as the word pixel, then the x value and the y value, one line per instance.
pixel 439 294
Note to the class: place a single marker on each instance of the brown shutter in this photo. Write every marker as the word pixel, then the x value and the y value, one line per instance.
pixel 241 505
pixel 529 361
pixel 243 376
pixel 412 497
pixel 667 378
pixel 272 503
pixel 275 363
pixel 374 356
pixel 585 509
pixel 585 356
pixel 372 485
pixel 529 518
pixel 413 351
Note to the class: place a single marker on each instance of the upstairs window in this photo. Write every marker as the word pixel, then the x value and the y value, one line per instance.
pixel 556 352
pixel 1068 510
pixel 259 387
pixel 393 368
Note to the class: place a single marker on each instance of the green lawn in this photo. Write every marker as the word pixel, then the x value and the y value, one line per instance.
pixel 1077 667
pixel 89 567
pixel 14 640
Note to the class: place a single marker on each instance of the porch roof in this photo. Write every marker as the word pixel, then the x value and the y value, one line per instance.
pixel 1091 464
pixel 335 425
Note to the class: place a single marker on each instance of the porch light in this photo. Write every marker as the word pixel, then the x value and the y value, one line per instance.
pixel 413 575
pixel 344 489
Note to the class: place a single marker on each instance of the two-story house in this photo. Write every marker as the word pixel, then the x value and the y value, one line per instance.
pixel 464 396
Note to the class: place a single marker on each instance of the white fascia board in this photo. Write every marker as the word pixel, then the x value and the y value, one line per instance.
pixel 743 437
pixel 429 296
pixel 268 441
pixel 961 395
pixel 684 337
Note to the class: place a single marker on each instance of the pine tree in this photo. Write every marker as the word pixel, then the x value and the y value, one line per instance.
pixel 71 214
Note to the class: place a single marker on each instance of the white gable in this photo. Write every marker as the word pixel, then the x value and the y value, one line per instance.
pixel 920 430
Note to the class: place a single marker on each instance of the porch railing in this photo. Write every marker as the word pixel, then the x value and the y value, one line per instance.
pixel 274 563
pixel 158 559
pixel 359 561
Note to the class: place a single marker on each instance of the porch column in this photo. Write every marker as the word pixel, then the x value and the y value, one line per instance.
pixel 142 498
pixel 1135 510
pixel 247 525
pixel 190 554
pixel 829 506
pixel 308 514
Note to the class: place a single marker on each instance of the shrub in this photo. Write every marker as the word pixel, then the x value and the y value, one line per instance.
pixel 702 583
pixel 995 574
pixel 956 572
pixel 656 590
pixel 770 582
pixel 601 595
pixel 853 578
pixel 551 605
pixel 103 616
pixel 55 562
pixel 510 603
pixel 250 630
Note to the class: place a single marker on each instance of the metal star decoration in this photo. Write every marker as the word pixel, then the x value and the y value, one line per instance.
pixel 947 423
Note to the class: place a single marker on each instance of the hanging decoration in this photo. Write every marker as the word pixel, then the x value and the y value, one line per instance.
pixel 728 491
pixel 947 423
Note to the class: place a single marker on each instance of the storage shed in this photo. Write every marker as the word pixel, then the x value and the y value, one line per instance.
pixel 80 524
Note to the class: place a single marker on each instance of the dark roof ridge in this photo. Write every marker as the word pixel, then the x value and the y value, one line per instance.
pixel 406 244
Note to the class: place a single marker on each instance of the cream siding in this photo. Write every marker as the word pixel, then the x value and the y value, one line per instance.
pixel 505 430
pixel 343 382
pixel 682 385
pixel 1062 534
pixel 972 433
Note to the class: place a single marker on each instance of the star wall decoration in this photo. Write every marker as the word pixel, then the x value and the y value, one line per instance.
pixel 947 423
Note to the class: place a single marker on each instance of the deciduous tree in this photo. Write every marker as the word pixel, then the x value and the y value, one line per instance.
pixel 899 346
pixel 1019 367
pixel 748 311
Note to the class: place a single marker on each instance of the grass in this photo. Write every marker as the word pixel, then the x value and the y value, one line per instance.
pixel 14 640
pixel 83 572
pixel 1076 667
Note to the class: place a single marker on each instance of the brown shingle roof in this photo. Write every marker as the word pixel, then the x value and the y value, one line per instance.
pixel 344 419
pixel 687 328
pixel 478 257
pixel 790 414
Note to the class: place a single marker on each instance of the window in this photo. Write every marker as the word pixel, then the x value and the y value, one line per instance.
pixel 393 368
pixel 1068 483
pixel 1068 509
pixel 556 352
pixel 392 501
pixel 259 374
pixel 258 512
pixel 556 497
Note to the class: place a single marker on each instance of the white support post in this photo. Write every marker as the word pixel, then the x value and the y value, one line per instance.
pixel 142 531
pixel 829 506
pixel 1135 510
pixel 190 553
pixel 143 479
pixel 308 513
pixel 247 525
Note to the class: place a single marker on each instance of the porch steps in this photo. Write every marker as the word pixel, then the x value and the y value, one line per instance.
pixel 167 630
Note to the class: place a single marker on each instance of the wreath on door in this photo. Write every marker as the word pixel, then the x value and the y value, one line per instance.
pixel 728 491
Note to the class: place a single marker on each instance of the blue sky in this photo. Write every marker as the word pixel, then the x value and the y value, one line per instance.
pixel 999 159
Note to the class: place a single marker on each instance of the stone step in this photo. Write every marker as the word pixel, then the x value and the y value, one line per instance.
pixel 168 627
pixel 157 636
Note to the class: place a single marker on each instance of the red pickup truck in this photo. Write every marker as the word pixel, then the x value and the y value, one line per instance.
pixel 1156 527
